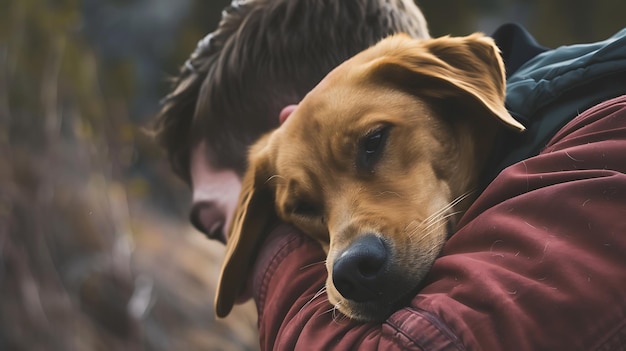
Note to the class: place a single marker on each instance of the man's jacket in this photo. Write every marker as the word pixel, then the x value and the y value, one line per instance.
pixel 553 86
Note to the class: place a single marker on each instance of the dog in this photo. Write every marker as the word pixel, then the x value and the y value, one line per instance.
pixel 377 163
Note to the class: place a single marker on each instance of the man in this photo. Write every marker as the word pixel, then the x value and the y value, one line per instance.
pixel 264 55
pixel 537 262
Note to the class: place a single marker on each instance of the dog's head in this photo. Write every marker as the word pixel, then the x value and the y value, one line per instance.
pixel 374 164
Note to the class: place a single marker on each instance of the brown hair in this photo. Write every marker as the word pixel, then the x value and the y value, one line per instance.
pixel 264 55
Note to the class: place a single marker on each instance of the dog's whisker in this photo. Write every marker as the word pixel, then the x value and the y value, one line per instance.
pixel 454 202
pixel 275 176
pixel 440 221
pixel 333 309
pixel 336 313
pixel 320 292
pixel 432 227
pixel 383 193
pixel 408 225
pixel 451 214
pixel 312 264
pixel 432 223
pixel 432 230
pixel 433 217
pixel 425 226
pixel 462 197
pixel 340 317
pixel 322 302
pixel 317 304
pixel 419 232
pixel 436 214
pixel 315 296
pixel 442 218
pixel 328 311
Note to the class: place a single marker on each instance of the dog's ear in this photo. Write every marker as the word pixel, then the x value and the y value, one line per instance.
pixel 463 67
pixel 253 213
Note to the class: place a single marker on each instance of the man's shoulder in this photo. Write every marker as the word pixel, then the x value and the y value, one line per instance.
pixel 551 87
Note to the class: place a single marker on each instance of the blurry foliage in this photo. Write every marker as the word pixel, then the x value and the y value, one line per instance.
pixel 95 253
pixel 553 23
pixel 575 21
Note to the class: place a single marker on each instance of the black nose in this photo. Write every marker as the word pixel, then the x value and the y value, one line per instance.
pixel 359 271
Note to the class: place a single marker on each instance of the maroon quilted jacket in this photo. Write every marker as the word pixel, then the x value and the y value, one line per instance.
pixel 538 263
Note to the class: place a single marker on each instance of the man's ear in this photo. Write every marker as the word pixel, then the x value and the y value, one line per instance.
pixel 254 212
pixel 286 112
pixel 468 67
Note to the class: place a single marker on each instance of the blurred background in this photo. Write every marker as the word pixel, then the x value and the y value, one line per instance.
pixel 95 249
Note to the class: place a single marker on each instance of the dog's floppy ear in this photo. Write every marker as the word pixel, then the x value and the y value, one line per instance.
pixel 440 68
pixel 253 213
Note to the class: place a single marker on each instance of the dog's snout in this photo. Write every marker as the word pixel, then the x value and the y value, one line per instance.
pixel 359 271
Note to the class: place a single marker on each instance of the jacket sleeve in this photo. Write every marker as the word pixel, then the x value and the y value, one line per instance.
pixel 538 262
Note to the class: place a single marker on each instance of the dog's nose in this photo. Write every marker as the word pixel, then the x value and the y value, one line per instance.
pixel 359 271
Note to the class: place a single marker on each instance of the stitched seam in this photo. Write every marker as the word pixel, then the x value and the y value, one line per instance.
pixel 443 328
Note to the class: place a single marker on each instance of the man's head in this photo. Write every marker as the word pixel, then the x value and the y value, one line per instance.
pixel 264 55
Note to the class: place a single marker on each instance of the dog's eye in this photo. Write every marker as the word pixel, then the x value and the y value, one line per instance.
pixel 372 142
pixel 371 147
pixel 306 209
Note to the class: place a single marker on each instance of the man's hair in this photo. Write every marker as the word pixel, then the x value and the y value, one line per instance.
pixel 264 55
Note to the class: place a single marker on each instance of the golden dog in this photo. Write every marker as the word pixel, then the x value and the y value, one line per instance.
pixel 377 163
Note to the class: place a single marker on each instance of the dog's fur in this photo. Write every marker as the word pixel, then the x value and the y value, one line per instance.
pixel 390 144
